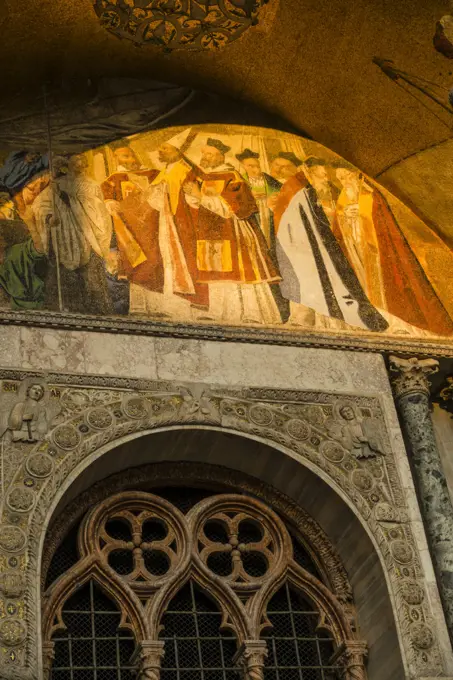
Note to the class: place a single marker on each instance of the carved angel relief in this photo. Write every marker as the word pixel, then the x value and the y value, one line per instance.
pixel 357 434
pixel 27 414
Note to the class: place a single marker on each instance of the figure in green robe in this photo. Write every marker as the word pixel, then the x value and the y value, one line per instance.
pixel 22 275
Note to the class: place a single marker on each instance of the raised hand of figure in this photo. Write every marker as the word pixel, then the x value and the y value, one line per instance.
pixel 272 201
pixel 114 207
pixel 192 189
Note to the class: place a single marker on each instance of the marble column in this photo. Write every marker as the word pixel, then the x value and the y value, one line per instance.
pixel 48 653
pixel 350 657
pixel 411 389
pixel 148 657
pixel 250 658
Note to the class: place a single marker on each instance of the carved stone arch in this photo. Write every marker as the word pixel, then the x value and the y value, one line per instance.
pixel 131 409
pixel 83 572
pixel 385 545
pixel 233 615
pixel 331 612
pixel 234 510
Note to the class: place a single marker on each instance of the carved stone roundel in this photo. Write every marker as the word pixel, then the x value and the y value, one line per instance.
pixel 412 592
pixel 422 636
pixel 297 429
pixel 66 437
pixel 99 419
pixel 12 632
pixel 136 408
pixel 21 499
pixel 12 539
pixel 332 451
pixel 12 583
pixel 178 24
pixel 401 551
pixel 39 465
pixel 261 415
pixel 362 480
pixel 386 513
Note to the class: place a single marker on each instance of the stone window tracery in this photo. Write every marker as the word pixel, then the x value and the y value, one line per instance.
pixel 219 593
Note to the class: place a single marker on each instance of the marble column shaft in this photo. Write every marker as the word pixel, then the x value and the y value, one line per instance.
pixel 411 388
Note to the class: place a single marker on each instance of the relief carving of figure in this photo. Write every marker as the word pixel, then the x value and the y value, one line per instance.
pixel 361 436
pixel 28 419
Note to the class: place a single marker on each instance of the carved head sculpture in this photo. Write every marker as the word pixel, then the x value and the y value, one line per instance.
pixel 347 412
pixel 35 392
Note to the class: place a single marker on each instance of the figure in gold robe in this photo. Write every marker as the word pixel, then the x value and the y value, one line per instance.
pixel 232 254
pixel 382 259
pixel 155 247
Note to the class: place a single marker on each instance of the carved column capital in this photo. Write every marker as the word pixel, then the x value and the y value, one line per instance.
pixel 350 656
pixel 250 658
pixel 48 655
pixel 412 375
pixel 148 658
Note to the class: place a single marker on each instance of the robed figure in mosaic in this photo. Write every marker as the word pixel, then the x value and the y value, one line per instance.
pixel 316 275
pixel 263 186
pixel 232 253
pixel 383 261
pixel 155 243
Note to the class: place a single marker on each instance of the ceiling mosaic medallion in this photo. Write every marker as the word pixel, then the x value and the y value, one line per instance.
pixel 179 24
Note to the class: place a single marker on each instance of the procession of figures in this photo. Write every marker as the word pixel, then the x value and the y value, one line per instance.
pixel 210 228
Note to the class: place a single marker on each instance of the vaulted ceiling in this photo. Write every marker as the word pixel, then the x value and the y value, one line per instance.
pixel 309 61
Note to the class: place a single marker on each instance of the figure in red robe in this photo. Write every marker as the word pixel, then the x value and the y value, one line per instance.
pixel 232 253
pixel 383 260
pixel 154 229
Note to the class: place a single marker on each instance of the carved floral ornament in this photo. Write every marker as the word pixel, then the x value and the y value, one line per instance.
pixel 237 527
pixel 93 413
pixel 179 24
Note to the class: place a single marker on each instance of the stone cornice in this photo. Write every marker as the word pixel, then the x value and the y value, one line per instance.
pixel 362 342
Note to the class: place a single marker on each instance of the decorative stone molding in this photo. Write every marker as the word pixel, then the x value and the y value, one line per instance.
pixel 362 341
pixel 293 421
pixel 178 26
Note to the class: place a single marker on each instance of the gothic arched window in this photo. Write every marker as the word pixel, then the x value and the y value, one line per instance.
pixel 215 589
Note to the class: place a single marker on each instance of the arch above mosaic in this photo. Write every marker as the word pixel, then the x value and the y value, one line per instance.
pixel 219 224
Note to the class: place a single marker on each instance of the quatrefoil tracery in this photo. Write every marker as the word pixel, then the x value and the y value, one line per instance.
pixel 142 538
pixel 236 546
pixel 141 550
pixel 138 547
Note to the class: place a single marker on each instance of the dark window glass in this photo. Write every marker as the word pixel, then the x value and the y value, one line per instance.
pixel 195 648
pixel 296 650
pixel 92 647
